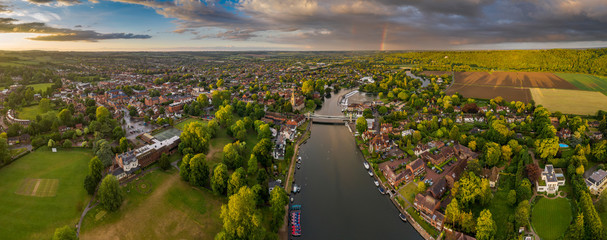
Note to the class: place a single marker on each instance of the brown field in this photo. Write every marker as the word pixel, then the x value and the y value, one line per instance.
pixel 570 101
pixel 513 79
pixel 489 92
pixel 436 73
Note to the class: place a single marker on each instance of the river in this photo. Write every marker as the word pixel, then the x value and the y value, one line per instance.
pixel 338 198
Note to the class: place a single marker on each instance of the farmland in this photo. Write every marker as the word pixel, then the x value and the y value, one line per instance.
pixel 513 79
pixel 488 92
pixel 586 82
pixel 570 101
pixel 42 191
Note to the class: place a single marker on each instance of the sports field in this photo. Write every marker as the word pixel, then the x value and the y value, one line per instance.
pixel 42 191
pixel 158 206
pixel 168 133
pixel 585 81
pixel 31 112
pixel 570 101
pixel 551 217
pixel 40 86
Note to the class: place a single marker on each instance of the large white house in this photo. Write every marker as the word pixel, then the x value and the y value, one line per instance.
pixel 552 178
pixel 596 182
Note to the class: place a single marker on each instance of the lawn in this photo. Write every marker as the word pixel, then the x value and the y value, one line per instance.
pixel 585 81
pixel 551 217
pixel 34 217
pixel 570 101
pixel 182 124
pixel 408 191
pixel 40 86
pixel 425 225
pixel 31 112
pixel 500 211
pixel 158 206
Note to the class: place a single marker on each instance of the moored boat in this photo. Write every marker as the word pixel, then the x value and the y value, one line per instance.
pixel 366 165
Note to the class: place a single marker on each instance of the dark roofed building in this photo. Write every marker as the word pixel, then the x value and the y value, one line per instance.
pixel 438 189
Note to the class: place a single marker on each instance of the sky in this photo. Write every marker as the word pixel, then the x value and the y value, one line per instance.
pixel 300 25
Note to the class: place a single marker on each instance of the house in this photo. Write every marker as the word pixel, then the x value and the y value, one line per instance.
pixel 127 163
pixel 438 189
pixel 551 180
pixel 492 174
pixel 416 167
pixel 456 172
pixel 440 156
pixel 389 169
pixel 455 235
pixel 428 210
pixel 379 143
pixel 273 184
pixel 597 181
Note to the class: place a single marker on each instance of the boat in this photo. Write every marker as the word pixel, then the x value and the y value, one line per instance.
pixel 376 183
pixel 381 190
pixel 366 165
pixel 402 217
pixel 370 173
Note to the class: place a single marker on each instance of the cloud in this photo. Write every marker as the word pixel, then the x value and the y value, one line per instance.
pixel 4 9
pixel 11 25
pixel 58 2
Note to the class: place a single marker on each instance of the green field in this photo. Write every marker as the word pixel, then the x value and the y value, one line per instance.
pixel 500 210
pixel 585 81
pixel 182 124
pixel 569 101
pixel 31 112
pixel 158 206
pixel 408 191
pixel 551 217
pixel 36 217
pixel 40 86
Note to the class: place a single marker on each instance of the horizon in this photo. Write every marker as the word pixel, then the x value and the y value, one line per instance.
pixel 309 25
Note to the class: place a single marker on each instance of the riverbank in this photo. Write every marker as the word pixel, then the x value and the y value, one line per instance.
pixel 401 209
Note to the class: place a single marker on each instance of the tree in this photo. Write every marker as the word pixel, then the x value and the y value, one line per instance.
pixel 485 227
pixel 599 151
pixel 196 137
pixel 105 153
pixel 252 165
pixel 232 155
pixel 110 195
pixel 90 184
pixel 241 219
pixel 576 230
pixel 124 144
pixel 421 187
pixel 486 194
pixel 492 154
pixel 102 114
pixel 5 154
pixel 164 162
pixel 547 147
pixel 219 180
pixel 593 225
pixel 307 87
pixel 472 145
pixel 467 222
pixel 65 233
pixel 263 152
pixel 199 170
pixel 454 133
pixel 452 212
pixel 382 110
pixel 67 143
pixel 224 115
pixel 533 172
pixel 521 215
pixel 523 191
pixel 506 152
pixel 511 197
pixel 264 131
pixel 51 143
pixel 65 116
pixel 45 105
pixel 278 200
pixel 96 169
pixel 184 168
pixel 236 181
pixel 361 125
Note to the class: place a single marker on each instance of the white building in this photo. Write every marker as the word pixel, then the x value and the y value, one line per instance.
pixel 551 180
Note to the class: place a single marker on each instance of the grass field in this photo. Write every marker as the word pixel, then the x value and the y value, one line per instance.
pixel 34 217
pixel 570 101
pixel 408 191
pixel 551 217
pixel 31 112
pixel 182 124
pixel 40 86
pixel 585 81
pixel 500 210
pixel 38 187
pixel 158 206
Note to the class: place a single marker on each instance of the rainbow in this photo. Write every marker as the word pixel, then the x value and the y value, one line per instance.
pixel 382 46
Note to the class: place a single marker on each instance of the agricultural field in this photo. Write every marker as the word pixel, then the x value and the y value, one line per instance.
pixel 489 92
pixel 31 112
pixel 570 101
pixel 42 191
pixel 158 206
pixel 551 217
pixel 586 82
pixel 513 79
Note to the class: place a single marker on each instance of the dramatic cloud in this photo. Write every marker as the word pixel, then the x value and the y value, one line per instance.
pixel 9 25
pixel 59 2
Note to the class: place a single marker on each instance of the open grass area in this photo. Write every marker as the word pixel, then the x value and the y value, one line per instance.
pixel 408 191
pixel 36 217
pixel 425 225
pixel 31 112
pixel 500 210
pixel 40 86
pixel 158 206
pixel 182 124
pixel 570 101
pixel 551 217
pixel 585 81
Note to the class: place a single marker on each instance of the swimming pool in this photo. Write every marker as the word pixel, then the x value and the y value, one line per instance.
pixel 562 145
